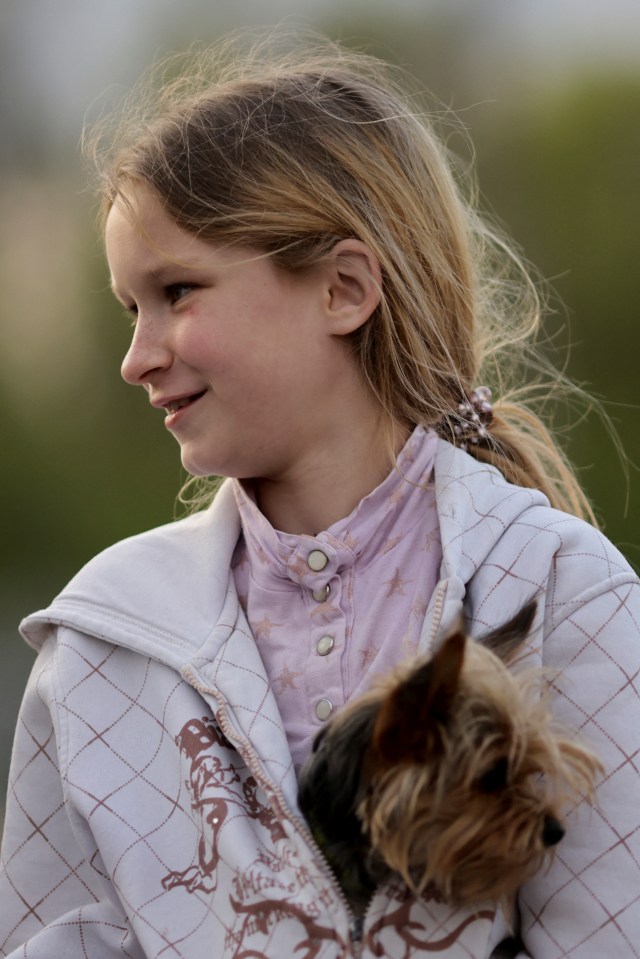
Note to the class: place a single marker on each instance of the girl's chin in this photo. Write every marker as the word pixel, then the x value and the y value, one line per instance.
pixel 200 472
pixel 203 466
pixel 197 466
pixel 228 461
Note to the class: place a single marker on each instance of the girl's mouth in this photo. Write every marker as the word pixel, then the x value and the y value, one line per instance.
pixel 175 407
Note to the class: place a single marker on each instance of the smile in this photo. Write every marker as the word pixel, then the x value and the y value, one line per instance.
pixel 176 405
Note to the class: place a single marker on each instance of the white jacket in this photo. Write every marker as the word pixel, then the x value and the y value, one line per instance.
pixel 152 800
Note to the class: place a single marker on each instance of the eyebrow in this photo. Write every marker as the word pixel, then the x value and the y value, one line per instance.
pixel 153 273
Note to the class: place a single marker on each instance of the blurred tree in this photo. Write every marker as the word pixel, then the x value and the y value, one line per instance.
pixel 564 176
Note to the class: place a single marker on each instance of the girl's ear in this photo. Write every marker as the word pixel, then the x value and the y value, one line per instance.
pixel 353 286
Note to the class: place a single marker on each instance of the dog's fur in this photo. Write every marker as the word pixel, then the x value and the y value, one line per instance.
pixel 449 773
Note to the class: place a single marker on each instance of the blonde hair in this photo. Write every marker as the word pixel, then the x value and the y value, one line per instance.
pixel 291 152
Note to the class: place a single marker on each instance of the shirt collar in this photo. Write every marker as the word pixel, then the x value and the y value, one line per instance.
pixel 361 535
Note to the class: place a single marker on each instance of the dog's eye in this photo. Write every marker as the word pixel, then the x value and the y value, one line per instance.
pixel 496 777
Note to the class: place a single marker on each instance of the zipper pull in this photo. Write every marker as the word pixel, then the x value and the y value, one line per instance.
pixel 356 928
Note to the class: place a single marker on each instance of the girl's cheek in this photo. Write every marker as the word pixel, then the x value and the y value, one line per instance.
pixel 195 339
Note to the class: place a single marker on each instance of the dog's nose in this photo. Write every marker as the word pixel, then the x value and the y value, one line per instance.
pixel 552 831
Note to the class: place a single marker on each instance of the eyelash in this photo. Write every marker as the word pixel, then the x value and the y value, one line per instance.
pixel 131 314
pixel 171 292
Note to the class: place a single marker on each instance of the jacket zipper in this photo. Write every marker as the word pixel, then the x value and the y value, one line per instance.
pixel 437 613
pixel 356 924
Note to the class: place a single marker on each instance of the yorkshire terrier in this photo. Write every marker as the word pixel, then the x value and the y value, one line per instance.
pixel 450 773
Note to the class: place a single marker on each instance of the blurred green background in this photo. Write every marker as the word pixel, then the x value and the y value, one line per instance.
pixel 550 94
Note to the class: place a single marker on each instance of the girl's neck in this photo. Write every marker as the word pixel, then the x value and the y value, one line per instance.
pixel 327 488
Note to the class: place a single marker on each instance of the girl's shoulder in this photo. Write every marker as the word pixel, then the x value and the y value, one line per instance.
pixel 494 530
pixel 166 584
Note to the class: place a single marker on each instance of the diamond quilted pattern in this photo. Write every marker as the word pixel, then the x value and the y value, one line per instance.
pixel 134 829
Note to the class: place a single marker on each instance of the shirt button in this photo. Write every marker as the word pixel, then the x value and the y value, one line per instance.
pixel 317 560
pixel 322 594
pixel 324 645
pixel 324 708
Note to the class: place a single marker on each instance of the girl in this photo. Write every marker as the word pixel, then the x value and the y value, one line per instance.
pixel 314 305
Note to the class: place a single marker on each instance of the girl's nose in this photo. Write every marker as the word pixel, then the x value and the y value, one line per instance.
pixel 147 355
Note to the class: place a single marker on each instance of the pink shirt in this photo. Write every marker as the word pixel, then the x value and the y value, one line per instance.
pixel 328 612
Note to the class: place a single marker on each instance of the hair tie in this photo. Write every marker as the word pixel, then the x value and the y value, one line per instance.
pixel 468 425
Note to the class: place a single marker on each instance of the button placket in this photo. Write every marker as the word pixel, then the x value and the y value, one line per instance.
pixel 321 563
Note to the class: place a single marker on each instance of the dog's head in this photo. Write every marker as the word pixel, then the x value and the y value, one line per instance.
pixel 450 773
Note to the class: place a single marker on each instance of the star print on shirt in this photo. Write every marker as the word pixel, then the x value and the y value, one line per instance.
pixel 325 611
pixel 351 542
pixel 262 628
pixel 419 608
pixel 396 584
pixel 409 457
pixel 394 499
pixel 390 543
pixel 433 536
pixel 299 567
pixel 262 556
pixel 368 655
pixel 287 679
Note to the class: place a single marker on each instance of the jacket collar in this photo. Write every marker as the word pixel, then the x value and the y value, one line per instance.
pixel 475 506
pixel 163 592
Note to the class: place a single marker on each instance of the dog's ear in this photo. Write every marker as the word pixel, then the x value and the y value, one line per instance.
pixel 411 719
pixel 506 640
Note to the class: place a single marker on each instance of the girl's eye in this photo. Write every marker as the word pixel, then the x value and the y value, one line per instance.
pixel 176 291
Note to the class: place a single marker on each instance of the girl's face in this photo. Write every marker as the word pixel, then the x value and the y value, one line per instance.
pixel 244 360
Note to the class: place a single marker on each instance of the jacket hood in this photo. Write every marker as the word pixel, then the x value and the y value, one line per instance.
pixel 164 592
